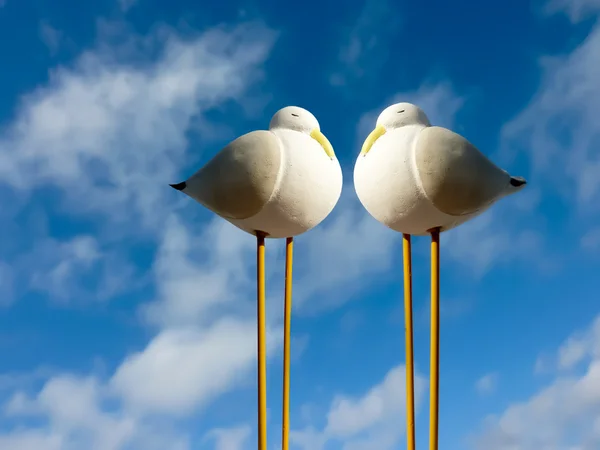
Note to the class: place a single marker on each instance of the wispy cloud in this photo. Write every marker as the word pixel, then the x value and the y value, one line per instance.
pixel 576 10
pixel 200 273
pixel 76 270
pixel 126 5
pixel 50 36
pixel 7 286
pixel 497 237
pixel 230 438
pixel 562 414
pixel 183 369
pixel 590 241
pixel 367 422
pixel 77 417
pixel 365 49
pixel 104 133
pixel 487 384
pixel 110 135
pixel 557 131
pixel 450 308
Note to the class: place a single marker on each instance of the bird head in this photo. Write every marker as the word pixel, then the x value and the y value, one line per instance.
pixel 299 119
pixel 395 116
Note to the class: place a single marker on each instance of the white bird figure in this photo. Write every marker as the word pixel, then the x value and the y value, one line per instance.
pixel 414 177
pixel 421 179
pixel 278 184
pixel 281 182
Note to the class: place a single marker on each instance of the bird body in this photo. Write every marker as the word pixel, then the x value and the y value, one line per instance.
pixel 414 177
pixel 281 182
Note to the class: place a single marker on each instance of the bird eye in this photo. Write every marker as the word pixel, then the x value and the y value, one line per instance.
pixel 295 115
pixel 401 111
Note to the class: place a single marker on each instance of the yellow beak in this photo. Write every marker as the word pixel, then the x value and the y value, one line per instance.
pixel 322 140
pixel 371 138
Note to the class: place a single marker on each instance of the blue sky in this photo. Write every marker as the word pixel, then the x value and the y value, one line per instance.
pixel 127 311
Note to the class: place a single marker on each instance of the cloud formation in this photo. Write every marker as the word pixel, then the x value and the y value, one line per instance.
pixel 374 420
pixel 107 134
pixel 563 414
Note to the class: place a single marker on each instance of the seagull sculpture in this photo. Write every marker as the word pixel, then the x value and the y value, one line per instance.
pixel 275 183
pixel 420 179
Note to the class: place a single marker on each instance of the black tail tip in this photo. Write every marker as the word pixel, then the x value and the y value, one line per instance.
pixel 179 186
pixel 517 181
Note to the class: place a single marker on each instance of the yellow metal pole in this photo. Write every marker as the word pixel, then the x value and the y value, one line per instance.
pixel 262 343
pixel 408 330
pixel 434 376
pixel 285 427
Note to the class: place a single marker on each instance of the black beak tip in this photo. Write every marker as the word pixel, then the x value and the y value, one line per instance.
pixel 179 186
pixel 517 181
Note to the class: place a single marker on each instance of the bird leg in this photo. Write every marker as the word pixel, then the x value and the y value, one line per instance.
pixel 408 330
pixel 262 342
pixel 434 375
pixel 285 426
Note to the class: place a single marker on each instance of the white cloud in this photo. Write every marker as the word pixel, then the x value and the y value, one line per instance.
pixel 110 134
pixel 31 440
pixel 50 36
pixel 74 270
pixel 576 10
pixel 558 132
pixel 487 384
pixel 126 5
pixel 500 238
pixel 375 420
pixel 450 309
pixel 202 273
pixel 230 438
pixel 6 284
pixel 107 134
pixel 182 370
pixel 10 381
pixel 72 408
pixel 580 346
pixel 590 241
pixel 562 415
pixel 80 253
pixel 542 365
pixel 365 43
pixel 349 416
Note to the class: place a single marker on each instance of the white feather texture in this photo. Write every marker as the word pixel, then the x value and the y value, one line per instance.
pixel 282 182
pixel 416 177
